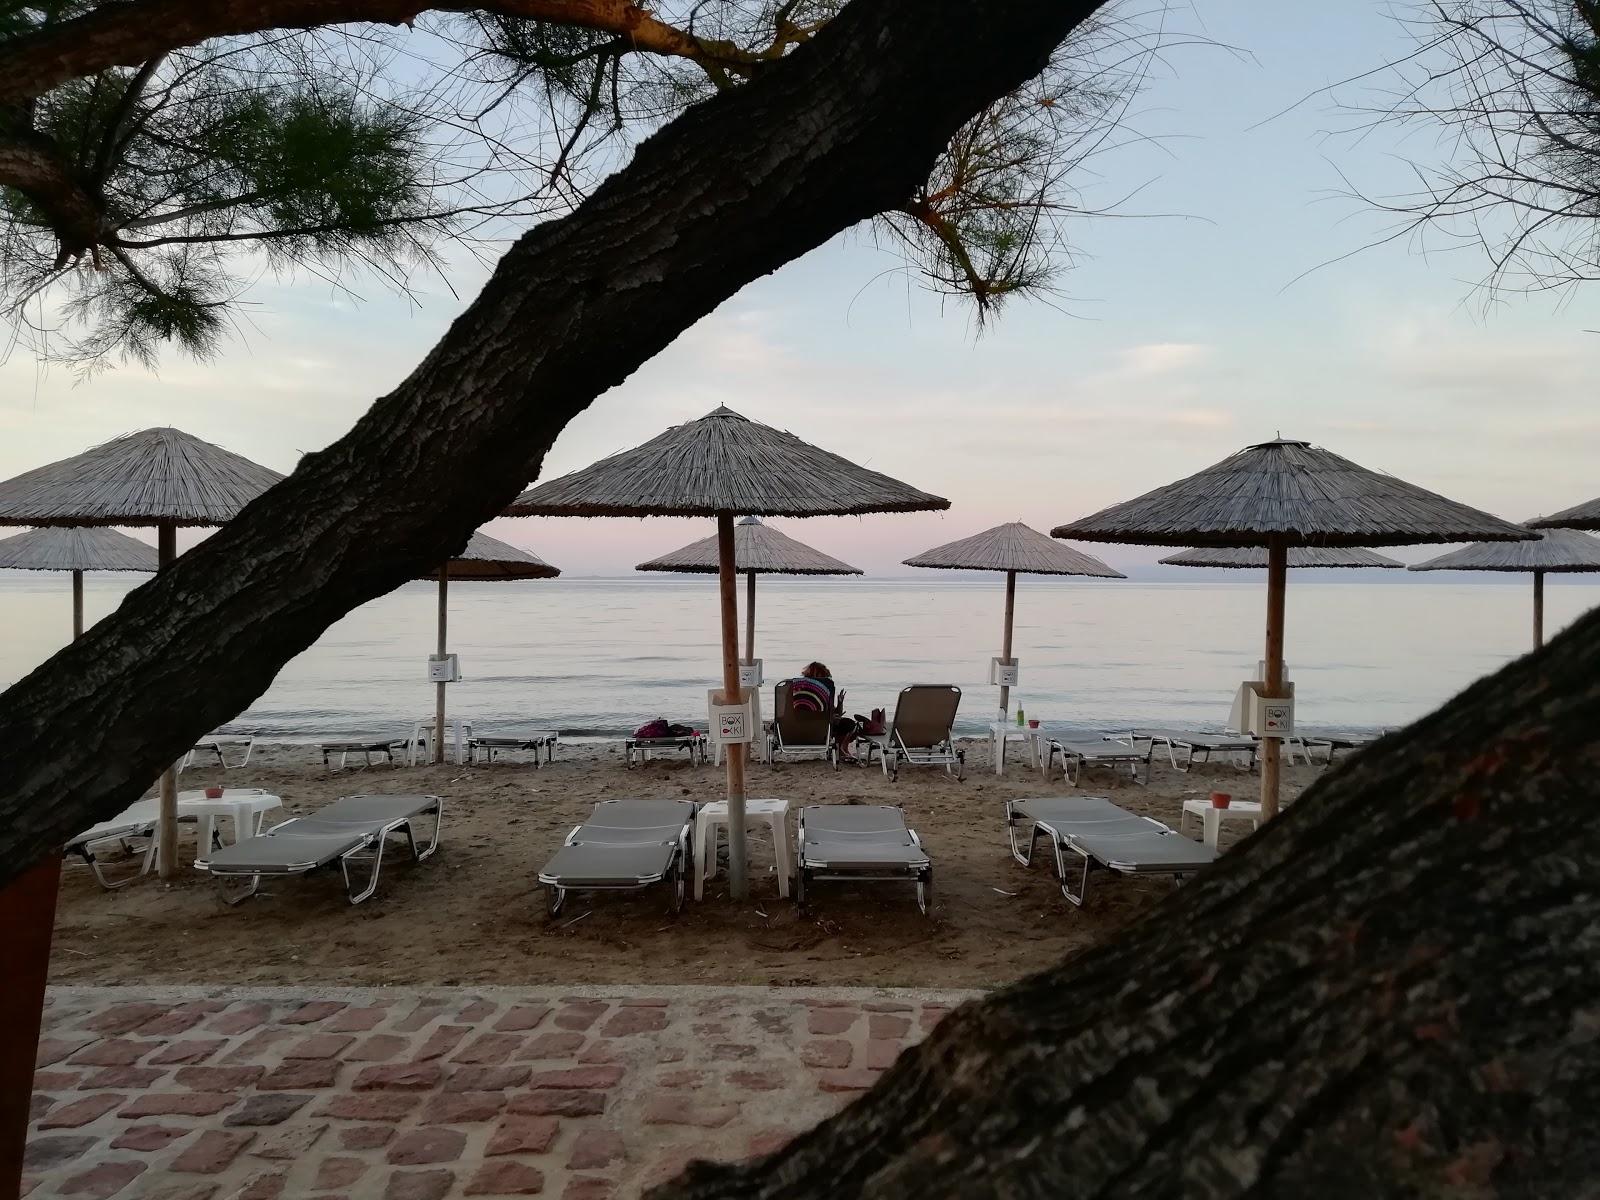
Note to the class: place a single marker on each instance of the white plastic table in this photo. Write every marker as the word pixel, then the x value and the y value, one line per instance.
pixel 1211 817
pixel 1001 732
pixel 247 808
pixel 422 739
pixel 713 816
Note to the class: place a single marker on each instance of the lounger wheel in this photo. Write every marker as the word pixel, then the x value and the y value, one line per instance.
pixel 676 882
pixel 925 893
pixel 554 898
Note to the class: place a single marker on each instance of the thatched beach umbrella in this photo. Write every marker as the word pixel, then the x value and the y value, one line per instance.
pixel 484 558
pixel 1565 551
pixel 76 550
pixel 1013 548
pixel 723 466
pixel 1233 558
pixel 757 550
pixel 160 477
pixel 1579 516
pixel 1279 495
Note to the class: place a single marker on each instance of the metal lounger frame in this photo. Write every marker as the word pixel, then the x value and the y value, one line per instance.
pixel 1060 841
pixel 893 751
pixel 1173 745
pixel 696 747
pixel 215 743
pixel 677 873
pixel 373 842
pixel 490 744
pixel 1074 761
pixel 922 877
pixel 366 749
pixel 84 850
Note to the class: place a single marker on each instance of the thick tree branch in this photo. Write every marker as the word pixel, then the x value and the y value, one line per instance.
pixel 131 32
pixel 34 166
pixel 842 129
pixel 1392 990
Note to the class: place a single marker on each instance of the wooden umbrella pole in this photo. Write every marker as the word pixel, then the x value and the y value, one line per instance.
pixel 750 617
pixel 167 818
pixel 77 605
pixel 1538 609
pixel 1272 748
pixel 1005 638
pixel 728 590
pixel 27 922
pixel 438 697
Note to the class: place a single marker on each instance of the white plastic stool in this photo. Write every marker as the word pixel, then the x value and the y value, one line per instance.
pixel 714 815
pixel 422 739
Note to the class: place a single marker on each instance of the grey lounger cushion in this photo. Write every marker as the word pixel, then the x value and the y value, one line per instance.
pixel 867 841
pixel 863 856
pixel 286 853
pixel 375 809
pixel 614 865
pixel 1144 851
pixel 1206 741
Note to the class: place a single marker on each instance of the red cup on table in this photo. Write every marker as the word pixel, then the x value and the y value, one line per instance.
pixel 213 793
pixel 1032 724
pixel 1221 799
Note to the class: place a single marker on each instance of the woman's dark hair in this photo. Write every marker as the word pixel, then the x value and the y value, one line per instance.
pixel 816 670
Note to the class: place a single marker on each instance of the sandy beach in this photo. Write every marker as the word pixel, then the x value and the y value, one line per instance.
pixel 473 913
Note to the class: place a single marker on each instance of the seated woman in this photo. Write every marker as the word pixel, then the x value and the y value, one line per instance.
pixel 815 691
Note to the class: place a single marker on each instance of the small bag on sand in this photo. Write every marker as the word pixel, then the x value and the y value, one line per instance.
pixel 654 729
pixel 872 726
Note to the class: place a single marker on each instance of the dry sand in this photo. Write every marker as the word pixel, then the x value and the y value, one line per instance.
pixel 473 913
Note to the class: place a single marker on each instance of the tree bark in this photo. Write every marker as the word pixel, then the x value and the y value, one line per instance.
pixel 840 130
pixel 1391 990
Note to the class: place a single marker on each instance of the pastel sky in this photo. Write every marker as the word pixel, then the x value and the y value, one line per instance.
pixel 1180 339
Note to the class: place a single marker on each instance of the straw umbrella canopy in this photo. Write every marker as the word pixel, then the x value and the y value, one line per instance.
pixel 1579 516
pixel 1012 548
pixel 161 477
pixel 85 548
pixel 722 466
pixel 1279 495
pixel 758 549
pixel 484 558
pixel 1246 557
pixel 1565 551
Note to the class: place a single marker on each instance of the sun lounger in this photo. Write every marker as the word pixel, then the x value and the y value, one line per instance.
pixel 384 746
pixel 625 844
pixel 1076 755
pixel 1199 747
pixel 1102 835
pixel 694 743
pixel 861 842
pixel 353 829
pixel 799 731
pixel 1330 745
pixel 534 740
pixel 922 732
pixel 214 745
pixel 138 822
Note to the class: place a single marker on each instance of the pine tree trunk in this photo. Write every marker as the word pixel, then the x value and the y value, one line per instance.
pixel 1391 990
pixel 732 190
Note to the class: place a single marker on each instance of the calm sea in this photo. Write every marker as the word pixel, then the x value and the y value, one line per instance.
pixel 602 656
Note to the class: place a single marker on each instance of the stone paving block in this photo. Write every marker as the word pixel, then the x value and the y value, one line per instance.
pixel 681 1079
pixel 365 1137
pixel 212 1152
pixel 102 1179
pixel 523 1135
pixel 273 1108
pixel 120 1077
pixel 600 1052
pixel 857 1079
pixel 289 1144
pixel 563 1044
pixel 339 1172
pixel 380 1047
pixel 45 1152
pixel 55 1081
pixel 148 1137
pixel 489 1049
pixel 257 1046
pixel 178 1104
pixel 38 1105
pixel 186 1051
pixel 880 1055
pixel 112 1052
pixel 628 1021
pixel 266 1185
pixel 53 1050
pixel 758 1081
pixel 588 1187
pixel 457 1108
pixel 300 1075
pixel 407 1077
pixel 557 1103
pixel 417 1147
pixel 887 1006
pixel 596 1146
pixel 178 1020
pixel 584 1078
pixel 241 1018
pixel 198 1190
pixel 81 1111
pixel 768 1141
pixel 319 1045
pixel 580 1014
pixel 675 1110
pixel 486 1079
pixel 122 1018
pixel 370 1106
pixel 426 1012
pixel 356 1020
pixel 441 1041
pixel 476 1012
pixel 831 1053
pixel 314 1011
pixel 522 1017
pixel 883 1025
pixel 419 1185
pixel 217 1079
pixel 831 1020
pixel 509 1178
